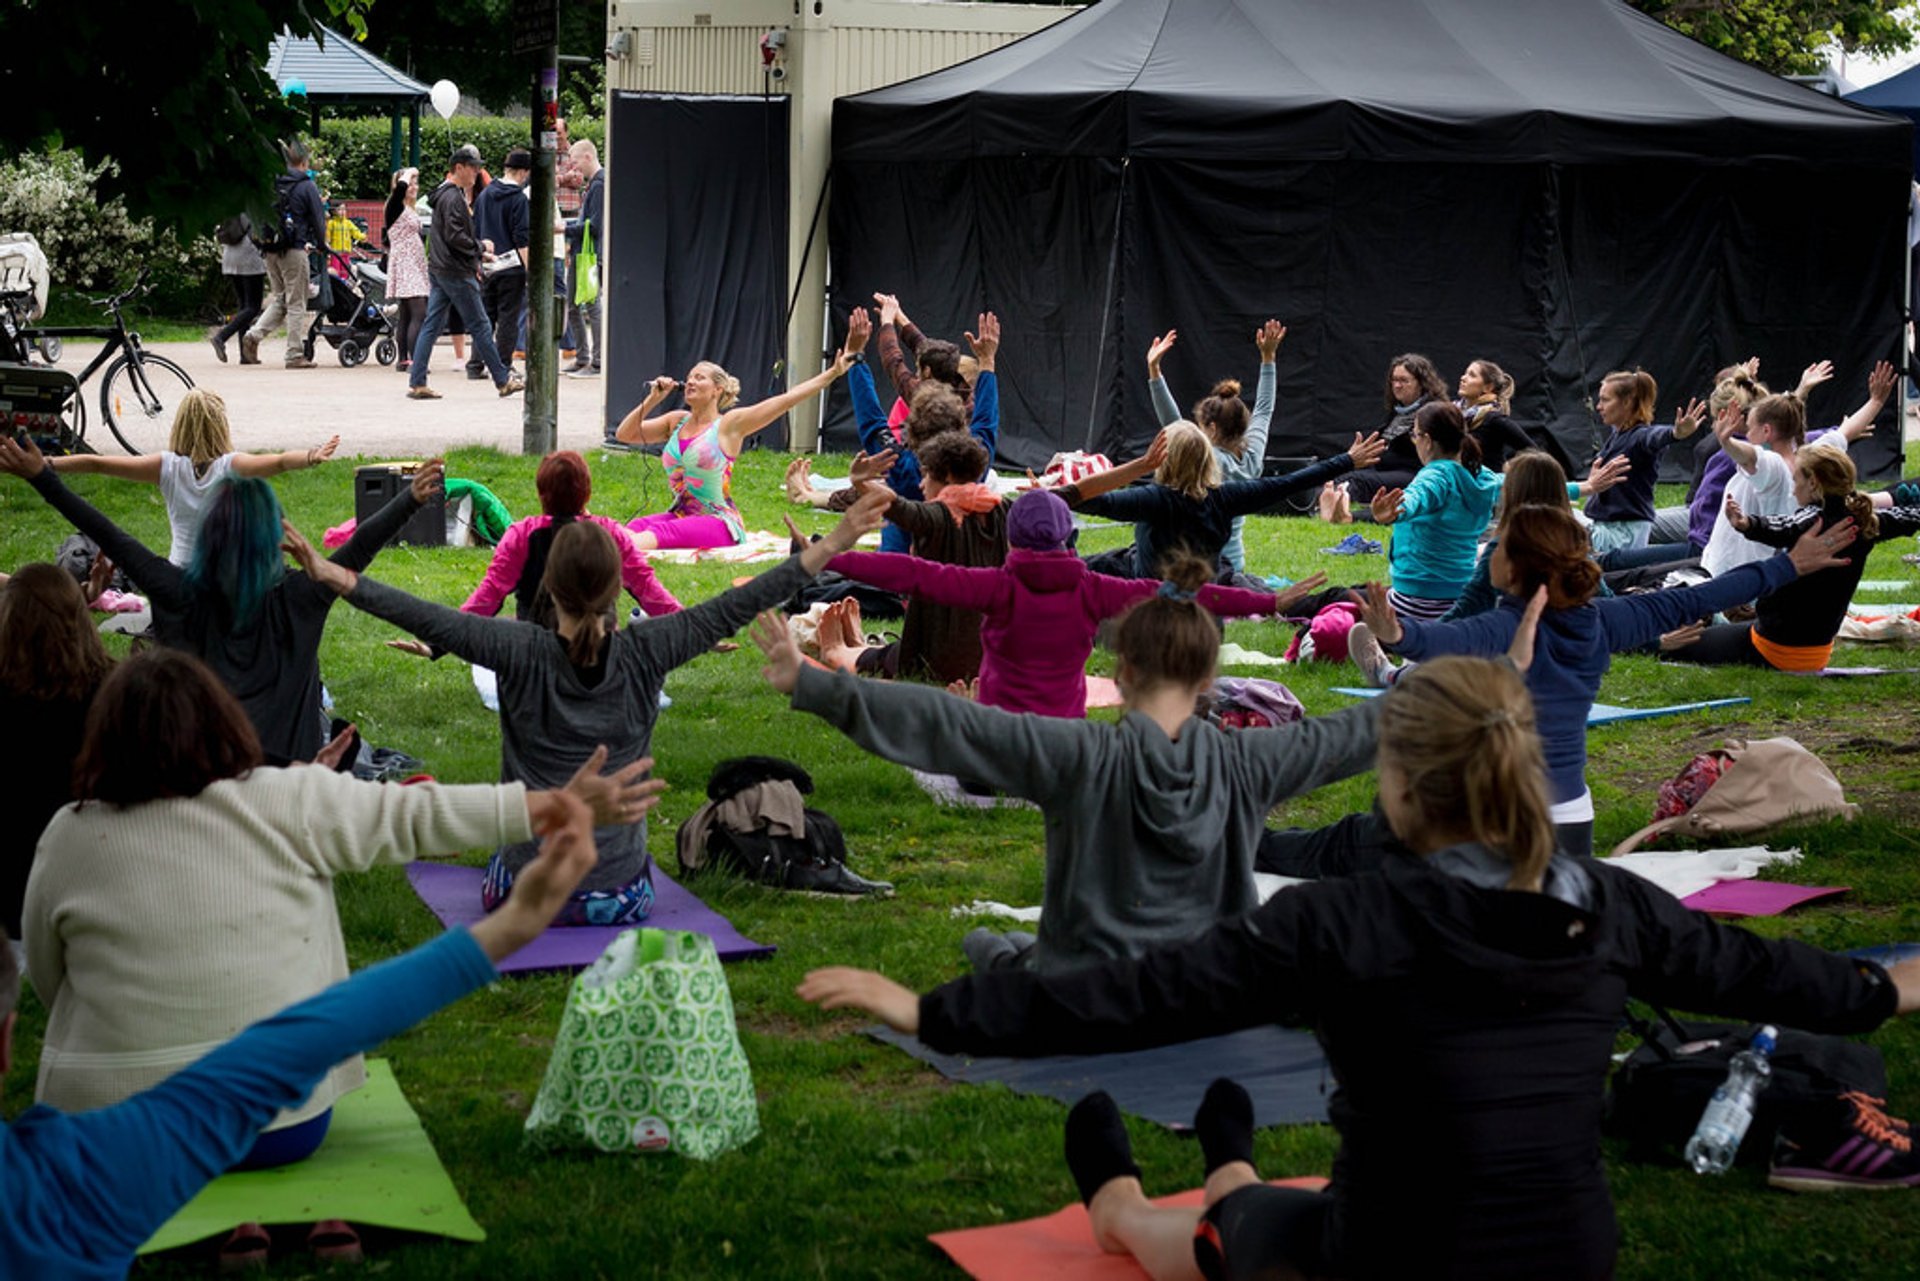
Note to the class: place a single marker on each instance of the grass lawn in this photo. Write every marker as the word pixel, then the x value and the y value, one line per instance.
pixel 864 1151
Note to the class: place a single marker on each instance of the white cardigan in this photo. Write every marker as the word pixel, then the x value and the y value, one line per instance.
pixel 155 932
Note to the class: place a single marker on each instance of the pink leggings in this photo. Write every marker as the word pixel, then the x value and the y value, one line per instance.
pixel 672 532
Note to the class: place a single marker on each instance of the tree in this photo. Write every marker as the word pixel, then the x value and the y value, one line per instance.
pixel 175 91
pixel 466 41
pixel 1789 37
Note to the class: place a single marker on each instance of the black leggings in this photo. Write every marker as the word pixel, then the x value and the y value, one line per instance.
pixel 1265 1232
pixel 251 291
pixel 406 327
pixel 1728 644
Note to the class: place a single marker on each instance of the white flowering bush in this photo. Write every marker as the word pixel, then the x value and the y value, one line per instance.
pixel 93 243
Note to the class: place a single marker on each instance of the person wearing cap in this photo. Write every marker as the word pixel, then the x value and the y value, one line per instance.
pixel 501 217
pixel 453 265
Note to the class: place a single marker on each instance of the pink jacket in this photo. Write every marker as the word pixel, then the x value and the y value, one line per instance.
pixel 1042 610
pixel 510 560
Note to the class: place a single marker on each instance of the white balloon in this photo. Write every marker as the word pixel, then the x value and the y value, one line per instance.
pixel 446 96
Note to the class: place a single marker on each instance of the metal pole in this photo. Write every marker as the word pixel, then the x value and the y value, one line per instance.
pixel 539 430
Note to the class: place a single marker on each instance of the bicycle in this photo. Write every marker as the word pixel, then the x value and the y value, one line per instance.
pixel 139 390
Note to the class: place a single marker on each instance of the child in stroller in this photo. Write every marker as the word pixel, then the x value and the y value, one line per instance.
pixel 354 315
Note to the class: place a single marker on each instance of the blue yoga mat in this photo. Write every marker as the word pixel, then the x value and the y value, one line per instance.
pixel 1282 1069
pixel 1601 713
pixel 1887 953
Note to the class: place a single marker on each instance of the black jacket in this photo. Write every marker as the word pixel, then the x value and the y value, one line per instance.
pixel 454 249
pixel 1809 610
pixel 500 214
pixel 1468 1029
pixel 592 209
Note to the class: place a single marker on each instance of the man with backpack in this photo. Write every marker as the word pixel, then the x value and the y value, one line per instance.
pixel 298 222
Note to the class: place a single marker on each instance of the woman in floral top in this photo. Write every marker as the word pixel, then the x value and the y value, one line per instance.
pixel 702 440
pixel 406 262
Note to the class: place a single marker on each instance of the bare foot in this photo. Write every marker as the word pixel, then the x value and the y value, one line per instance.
pixel 798 473
pixel 855 625
pixel 840 644
pixel 1328 503
pixel 969 690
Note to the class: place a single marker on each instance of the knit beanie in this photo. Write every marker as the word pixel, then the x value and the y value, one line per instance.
pixel 1039 522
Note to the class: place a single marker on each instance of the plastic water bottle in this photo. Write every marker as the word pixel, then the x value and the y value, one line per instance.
pixel 1730 1111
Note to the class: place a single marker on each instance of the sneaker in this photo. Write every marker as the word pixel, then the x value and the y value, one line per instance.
pixel 422 392
pixel 1376 669
pixel 475 375
pixel 301 362
pixel 1865 1149
pixel 583 371
pixel 219 347
pixel 511 386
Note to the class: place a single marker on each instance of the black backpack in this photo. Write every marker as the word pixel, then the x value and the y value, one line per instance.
pixel 1657 1095
pixel 280 234
pixel 233 231
pixel 815 862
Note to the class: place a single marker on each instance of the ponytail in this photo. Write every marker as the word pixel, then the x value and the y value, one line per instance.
pixel 1831 470
pixel 1458 735
pixel 1860 507
pixel 583 578
pixel 1446 426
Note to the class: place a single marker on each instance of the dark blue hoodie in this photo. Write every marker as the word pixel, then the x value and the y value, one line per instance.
pixel 1575 647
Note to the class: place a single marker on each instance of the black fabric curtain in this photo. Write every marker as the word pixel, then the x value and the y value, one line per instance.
pixel 696 260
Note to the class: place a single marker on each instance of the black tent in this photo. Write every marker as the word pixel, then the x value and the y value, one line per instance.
pixel 1565 188
pixel 1896 95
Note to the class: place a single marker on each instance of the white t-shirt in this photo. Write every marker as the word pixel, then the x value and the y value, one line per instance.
pixel 1768 492
pixel 188 496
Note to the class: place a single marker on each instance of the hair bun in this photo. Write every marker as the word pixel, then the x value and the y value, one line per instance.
pixel 1226 387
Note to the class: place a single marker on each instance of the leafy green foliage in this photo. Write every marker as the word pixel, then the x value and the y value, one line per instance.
pixel 467 42
pixel 1790 36
pixel 354 153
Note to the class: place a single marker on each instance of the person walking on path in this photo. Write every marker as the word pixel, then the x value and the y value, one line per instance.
pixel 298 224
pixel 453 262
pixel 586 331
pixel 500 213
pixel 241 263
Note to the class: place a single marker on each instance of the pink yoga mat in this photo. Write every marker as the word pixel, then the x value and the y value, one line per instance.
pixel 1058 1247
pixel 1757 898
pixel 453 894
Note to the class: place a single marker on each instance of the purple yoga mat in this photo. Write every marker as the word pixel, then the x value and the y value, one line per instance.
pixel 453 895
pixel 1757 898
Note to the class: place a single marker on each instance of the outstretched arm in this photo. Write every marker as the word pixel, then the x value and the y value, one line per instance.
pixel 292 460
pixel 1243 497
pixel 164 583
pixel 145 468
pixel 1088 488
pixel 1879 388
pixel 960 586
pixel 743 421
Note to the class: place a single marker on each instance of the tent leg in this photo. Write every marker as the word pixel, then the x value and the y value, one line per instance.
pixel 1106 307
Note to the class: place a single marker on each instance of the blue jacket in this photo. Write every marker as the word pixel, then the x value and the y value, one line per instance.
pixel 904 477
pixel 1441 519
pixel 86 1190
pixel 1632 498
pixel 1575 647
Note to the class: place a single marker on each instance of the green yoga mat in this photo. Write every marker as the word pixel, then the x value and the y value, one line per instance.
pixel 376 1167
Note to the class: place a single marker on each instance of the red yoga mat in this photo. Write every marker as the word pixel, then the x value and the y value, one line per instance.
pixel 1059 1246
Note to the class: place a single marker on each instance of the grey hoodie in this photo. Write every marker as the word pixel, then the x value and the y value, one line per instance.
pixel 1149 840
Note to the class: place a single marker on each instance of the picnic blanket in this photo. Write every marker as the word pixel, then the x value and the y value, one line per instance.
pixel 1682 873
pixel 377 1167
pixel 1233 654
pixel 1058 1246
pixel 452 893
pixel 1283 1069
pixel 1599 713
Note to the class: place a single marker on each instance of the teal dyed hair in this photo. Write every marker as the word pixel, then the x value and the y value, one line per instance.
pixel 237 560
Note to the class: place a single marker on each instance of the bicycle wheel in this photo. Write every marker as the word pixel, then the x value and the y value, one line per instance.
pixel 138 404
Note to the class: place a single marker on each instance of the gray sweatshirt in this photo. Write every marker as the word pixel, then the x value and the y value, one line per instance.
pixel 551 719
pixel 1149 840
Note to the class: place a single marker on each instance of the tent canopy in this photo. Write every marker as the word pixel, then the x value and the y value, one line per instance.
pixel 1563 188
pixel 1896 95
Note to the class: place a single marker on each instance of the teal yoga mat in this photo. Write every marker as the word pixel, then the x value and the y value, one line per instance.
pixel 377 1167
pixel 1601 713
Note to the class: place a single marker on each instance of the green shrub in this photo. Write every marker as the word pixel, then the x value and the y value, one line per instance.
pixel 95 245
pixel 355 154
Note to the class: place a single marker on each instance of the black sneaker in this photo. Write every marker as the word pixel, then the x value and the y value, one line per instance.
pixel 1864 1149
pixel 828 876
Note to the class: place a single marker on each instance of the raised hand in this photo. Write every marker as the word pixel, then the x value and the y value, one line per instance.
pixel 1158 348
pixel 1157 451
pixel 1366 450
pixel 1520 648
pixel 20 456
pixel 317 567
pixel 987 341
pixel 1880 382
pixel 321 453
pixel 1735 517
pixel 1385 505
pixel 330 756
pixel 1268 338
pixel 663 386
pixel 1813 375
pixel 617 798
pixel 1729 421
pixel 770 633
pixel 1687 419
pixel 1378 615
pixel 840 987
pixel 889 308
pixel 428 480
pixel 869 468
pixel 859 329
pixel 861 519
pixel 99 574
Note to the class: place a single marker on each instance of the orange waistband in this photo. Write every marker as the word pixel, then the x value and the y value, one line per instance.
pixel 1792 658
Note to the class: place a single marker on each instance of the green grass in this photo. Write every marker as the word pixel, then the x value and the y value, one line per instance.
pixel 865 1151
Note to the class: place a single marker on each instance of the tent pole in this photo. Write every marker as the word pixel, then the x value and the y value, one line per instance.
pixel 393 143
pixel 1106 305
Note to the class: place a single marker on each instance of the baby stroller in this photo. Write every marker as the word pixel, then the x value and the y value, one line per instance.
pixel 356 318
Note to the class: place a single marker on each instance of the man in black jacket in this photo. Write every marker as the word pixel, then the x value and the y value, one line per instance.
pixel 453 265
pixel 501 215
pixel 297 223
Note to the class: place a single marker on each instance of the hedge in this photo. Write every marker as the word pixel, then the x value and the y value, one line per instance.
pixel 355 154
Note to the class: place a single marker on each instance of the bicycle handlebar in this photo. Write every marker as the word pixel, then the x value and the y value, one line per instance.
pixel 139 287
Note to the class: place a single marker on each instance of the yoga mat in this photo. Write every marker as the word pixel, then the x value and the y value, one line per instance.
pixel 1886 953
pixel 1600 713
pixel 1281 1068
pixel 945 789
pixel 376 1167
pixel 1757 898
pixel 453 895
pixel 1058 1246
pixel 1863 671
pixel 1883 585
